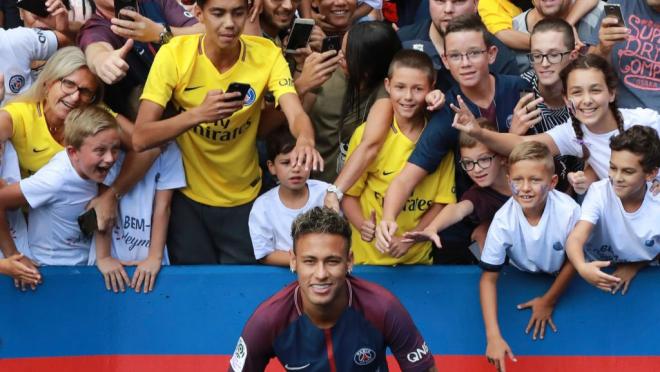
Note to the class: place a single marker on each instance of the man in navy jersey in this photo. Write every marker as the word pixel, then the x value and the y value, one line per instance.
pixel 329 320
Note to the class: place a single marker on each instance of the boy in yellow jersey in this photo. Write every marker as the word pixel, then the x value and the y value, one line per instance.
pixel 216 130
pixel 410 78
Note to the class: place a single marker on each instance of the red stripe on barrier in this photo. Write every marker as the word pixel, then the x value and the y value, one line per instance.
pixel 204 363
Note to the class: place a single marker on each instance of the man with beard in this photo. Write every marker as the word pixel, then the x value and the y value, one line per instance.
pixel 276 18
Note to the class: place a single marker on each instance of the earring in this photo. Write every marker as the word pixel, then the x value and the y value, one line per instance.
pixel 292 269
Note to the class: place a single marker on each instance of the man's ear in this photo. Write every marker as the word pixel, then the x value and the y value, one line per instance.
pixel 292 261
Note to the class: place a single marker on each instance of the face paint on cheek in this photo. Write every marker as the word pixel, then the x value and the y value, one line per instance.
pixel 544 188
pixel 514 189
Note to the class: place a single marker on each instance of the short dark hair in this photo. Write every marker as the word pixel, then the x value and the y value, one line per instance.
pixel 639 140
pixel 321 220
pixel 467 22
pixel 413 59
pixel 202 3
pixel 559 25
pixel 280 141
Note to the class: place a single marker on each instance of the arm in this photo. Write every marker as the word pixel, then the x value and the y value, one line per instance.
pixel 301 127
pixel 353 212
pixel 361 11
pixel 589 271
pixel 148 269
pixel 113 272
pixel 143 29
pixel 375 132
pixel 11 197
pixel 514 39
pixel 448 216
pixel 542 307
pixel 277 258
pixel 12 266
pixel 609 34
pixel 396 196
pixel 496 348
pixel 6 123
pixel 579 10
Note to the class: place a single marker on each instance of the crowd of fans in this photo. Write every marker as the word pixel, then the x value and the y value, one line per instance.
pixel 196 139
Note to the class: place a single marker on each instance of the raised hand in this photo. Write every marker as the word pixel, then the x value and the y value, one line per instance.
pixel 113 67
pixel 526 114
pixel 422 236
pixel 464 120
pixel 368 228
pixel 385 231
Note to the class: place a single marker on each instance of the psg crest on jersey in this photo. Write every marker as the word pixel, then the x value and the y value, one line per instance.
pixel 16 82
pixel 364 356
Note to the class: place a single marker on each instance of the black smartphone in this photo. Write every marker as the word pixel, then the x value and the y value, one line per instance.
pixel 614 10
pixel 37 7
pixel 331 43
pixel 300 32
pixel 523 93
pixel 87 222
pixel 125 4
pixel 238 87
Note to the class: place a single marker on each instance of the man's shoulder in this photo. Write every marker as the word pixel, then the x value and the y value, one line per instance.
pixel 277 309
pixel 415 31
pixel 371 298
pixel 259 44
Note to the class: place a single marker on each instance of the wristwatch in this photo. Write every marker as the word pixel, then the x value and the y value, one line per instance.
pixel 336 190
pixel 166 34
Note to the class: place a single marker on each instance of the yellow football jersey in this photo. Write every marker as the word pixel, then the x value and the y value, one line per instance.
pixel 437 187
pixel 220 158
pixel 34 144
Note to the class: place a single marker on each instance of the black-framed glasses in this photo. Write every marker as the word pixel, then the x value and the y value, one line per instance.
pixel 552 57
pixel 69 87
pixel 471 55
pixel 483 163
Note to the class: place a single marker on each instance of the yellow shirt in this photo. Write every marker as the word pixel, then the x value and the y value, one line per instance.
pixel 30 136
pixel 437 187
pixel 220 158
pixel 498 15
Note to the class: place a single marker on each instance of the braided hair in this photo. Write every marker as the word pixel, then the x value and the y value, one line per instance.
pixel 591 61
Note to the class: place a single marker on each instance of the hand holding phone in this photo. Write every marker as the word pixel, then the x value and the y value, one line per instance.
pixel 125 4
pixel 37 7
pixel 238 87
pixel 614 10
pixel 331 43
pixel 88 223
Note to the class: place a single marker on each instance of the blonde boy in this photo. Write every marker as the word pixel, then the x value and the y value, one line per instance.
pixel 410 78
pixel 59 192
pixel 530 230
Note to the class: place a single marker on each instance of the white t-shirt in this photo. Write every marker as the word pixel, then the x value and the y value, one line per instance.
pixel 57 196
pixel 620 236
pixel 270 220
pixel 18 48
pixel 599 144
pixel 131 236
pixel 10 173
pixel 537 248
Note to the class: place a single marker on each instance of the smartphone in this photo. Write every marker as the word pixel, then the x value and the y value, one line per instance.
pixel 37 7
pixel 238 87
pixel 331 43
pixel 87 222
pixel 125 4
pixel 300 32
pixel 614 10
pixel 524 93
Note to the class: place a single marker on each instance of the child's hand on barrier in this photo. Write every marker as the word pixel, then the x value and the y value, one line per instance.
pixel 145 274
pixel 591 272
pixel 113 273
pixel 541 316
pixel 422 236
pixel 626 272
pixel 496 351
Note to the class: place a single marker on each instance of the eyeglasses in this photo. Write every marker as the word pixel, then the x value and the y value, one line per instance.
pixel 471 55
pixel 552 57
pixel 69 87
pixel 483 163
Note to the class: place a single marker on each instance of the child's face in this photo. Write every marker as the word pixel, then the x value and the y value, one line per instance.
pixel 408 88
pixel 488 168
pixel 627 175
pixel 96 156
pixel 550 43
pixel 292 177
pixel 530 182
pixel 590 97
pixel 468 71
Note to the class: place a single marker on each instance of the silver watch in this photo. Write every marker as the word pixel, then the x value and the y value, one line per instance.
pixel 336 190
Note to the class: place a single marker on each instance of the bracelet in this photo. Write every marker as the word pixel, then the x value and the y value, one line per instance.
pixel 115 192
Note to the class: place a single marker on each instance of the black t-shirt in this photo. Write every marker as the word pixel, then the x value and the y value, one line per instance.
pixel 486 202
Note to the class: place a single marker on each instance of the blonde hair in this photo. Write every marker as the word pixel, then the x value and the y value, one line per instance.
pixel 467 141
pixel 532 150
pixel 86 122
pixel 63 63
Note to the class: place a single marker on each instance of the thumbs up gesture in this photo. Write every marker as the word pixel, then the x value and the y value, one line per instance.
pixel 368 228
pixel 113 67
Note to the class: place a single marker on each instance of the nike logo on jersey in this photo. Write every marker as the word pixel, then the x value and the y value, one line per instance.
pixel 192 88
pixel 298 368
pixel 39 150
pixel 386 173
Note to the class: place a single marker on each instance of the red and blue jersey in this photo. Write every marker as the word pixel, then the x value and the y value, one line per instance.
pixel 373 320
